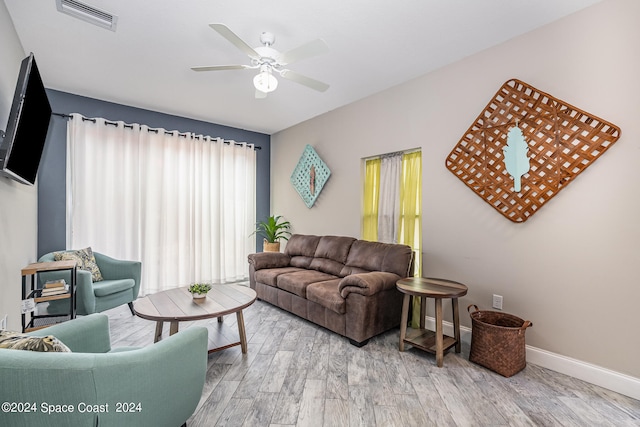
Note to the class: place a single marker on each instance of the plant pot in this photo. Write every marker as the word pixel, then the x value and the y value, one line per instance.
pixel 270 247
pixel 198 296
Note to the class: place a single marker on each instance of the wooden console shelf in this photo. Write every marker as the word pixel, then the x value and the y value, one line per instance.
pixel 30 290
pixel 52 297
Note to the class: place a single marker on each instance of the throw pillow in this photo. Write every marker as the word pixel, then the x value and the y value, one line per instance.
pixel 17 341
pixel 85 260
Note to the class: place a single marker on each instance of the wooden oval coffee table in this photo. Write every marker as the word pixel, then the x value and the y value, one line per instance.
pixel 177 305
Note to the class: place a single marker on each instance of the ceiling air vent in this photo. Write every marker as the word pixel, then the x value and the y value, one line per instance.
pixel 87 13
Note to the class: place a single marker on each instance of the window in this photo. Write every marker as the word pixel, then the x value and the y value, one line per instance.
pixel 182 204
pixel 392 201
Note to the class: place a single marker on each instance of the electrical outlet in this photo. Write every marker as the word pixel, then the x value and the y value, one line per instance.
pixel 497 301
pixel 3 322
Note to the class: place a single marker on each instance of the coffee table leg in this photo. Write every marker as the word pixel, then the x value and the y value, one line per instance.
pixel 173 327
pixel 158 336
pixel 220 319
pixel 241 331
pixel 456 324
pixel 439 337
pixel 403 321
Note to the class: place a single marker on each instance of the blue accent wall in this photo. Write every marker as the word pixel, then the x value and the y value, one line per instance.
pixel 52 172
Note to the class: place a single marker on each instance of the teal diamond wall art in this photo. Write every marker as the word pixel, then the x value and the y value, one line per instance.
pixel 309 176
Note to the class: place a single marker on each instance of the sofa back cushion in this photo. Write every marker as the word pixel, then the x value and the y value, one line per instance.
pixel 331 254
pixel 301 248
pixel 375 256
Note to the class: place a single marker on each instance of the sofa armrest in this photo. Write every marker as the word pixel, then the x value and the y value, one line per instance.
pixel 149 378
pixel 263 260
pixel 87 334
pixel 112 268
pixel 367 283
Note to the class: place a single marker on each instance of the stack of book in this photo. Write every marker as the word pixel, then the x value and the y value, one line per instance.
pixel 54 287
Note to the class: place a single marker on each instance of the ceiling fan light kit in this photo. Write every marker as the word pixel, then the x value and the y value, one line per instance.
pixel 268 60
pixel 265 81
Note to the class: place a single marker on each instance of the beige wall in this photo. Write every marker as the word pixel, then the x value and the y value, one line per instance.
pixel 573 268
pixel 18 202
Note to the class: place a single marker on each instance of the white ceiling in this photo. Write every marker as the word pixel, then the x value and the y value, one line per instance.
pixel 374 44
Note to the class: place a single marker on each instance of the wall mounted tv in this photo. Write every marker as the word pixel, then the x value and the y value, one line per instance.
pixel 21 148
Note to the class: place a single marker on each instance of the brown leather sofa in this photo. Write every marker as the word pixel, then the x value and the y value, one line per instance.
pixel 343 284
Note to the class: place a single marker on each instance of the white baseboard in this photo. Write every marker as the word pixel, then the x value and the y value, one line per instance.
pixel 603 377
pixel 612 380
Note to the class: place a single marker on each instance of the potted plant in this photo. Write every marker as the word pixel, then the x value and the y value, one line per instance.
pixel 272 230
pixel 199 290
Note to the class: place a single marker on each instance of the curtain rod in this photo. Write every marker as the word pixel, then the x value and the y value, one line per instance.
pixel 184 135
pixel 395 153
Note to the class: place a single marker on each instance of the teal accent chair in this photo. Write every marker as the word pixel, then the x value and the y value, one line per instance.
pixel 157 385
pixel 121 285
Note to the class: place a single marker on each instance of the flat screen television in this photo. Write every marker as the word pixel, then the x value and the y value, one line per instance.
pixel 29 117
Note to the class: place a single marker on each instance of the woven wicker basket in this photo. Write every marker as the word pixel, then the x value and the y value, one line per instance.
pixel 497 341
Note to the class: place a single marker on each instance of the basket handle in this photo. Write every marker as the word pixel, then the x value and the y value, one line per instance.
pixel 525 325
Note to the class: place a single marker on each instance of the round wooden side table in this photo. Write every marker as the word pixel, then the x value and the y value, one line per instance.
pixel 422 338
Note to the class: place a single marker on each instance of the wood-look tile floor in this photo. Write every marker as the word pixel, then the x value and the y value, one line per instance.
pixel 298 374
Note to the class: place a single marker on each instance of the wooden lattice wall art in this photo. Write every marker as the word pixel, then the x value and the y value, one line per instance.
pixel 562 140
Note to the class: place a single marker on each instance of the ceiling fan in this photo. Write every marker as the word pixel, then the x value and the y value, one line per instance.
pixel 269 61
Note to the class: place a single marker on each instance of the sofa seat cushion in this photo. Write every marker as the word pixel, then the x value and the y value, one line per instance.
pixel 108 287
pixel 297 282
pixel 269 276
pixel 327 295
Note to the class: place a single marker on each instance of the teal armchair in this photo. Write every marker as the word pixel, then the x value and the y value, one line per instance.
pixel 157 385
pixel 121 285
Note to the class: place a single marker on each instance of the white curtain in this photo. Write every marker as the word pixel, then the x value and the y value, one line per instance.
pixel 182 204
pixel 389 201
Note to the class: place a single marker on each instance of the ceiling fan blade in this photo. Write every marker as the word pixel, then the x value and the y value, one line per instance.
pixel 304 80
pixel 316 47
pixel 260 94
pixel 221 67
pixel 225 32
